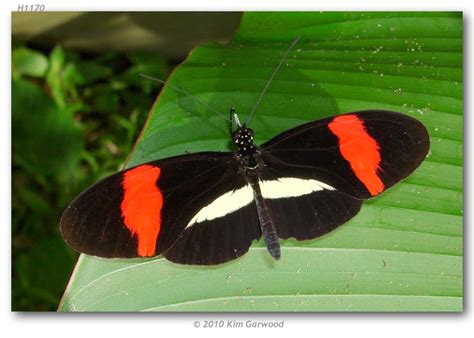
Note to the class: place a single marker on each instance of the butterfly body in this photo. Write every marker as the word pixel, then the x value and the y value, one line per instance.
pixel 249 157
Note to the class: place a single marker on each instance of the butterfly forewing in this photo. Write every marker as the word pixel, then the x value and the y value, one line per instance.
pixel 142 211
pixel 360 154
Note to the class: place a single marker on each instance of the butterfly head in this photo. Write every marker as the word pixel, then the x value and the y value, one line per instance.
pixel 243 137
pixel 246 150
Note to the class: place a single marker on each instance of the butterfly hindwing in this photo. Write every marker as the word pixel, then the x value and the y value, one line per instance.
pixel 217 240
pixel 305 208
pixel 221 230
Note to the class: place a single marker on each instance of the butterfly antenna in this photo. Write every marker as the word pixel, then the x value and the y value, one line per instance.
pixel 178 89
pixel 271 79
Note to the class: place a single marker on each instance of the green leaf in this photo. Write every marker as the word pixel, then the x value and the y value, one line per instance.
pixel 26 61
pixel 89 72
pixel 62 78
pixel 40 272
pixel 402 252
pixel 147 64
pixel 46 140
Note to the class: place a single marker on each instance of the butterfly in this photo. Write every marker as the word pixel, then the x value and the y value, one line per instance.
pixel 207 208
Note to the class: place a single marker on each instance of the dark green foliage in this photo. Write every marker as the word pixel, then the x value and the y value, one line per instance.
pixel 74 120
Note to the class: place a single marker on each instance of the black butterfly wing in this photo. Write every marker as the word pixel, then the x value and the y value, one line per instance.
pixel 143 211
pixel 305 208
pixel 361 153
pixel 346 158
pixel 217 240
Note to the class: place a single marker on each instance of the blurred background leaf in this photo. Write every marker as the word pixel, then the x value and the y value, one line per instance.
pixel 26 61
pixel 58 142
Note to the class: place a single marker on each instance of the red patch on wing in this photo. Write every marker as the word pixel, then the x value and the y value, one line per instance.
pixel 359 149
pixel 141 206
